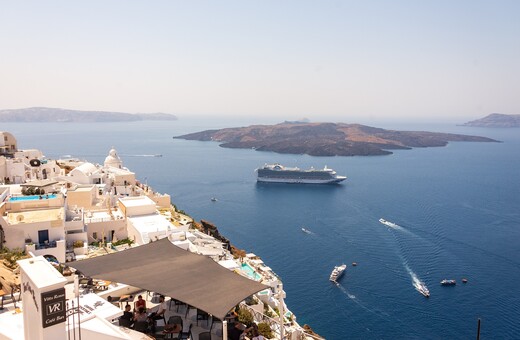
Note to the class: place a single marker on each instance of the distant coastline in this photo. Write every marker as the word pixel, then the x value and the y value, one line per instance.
pixel 496 120
pixel 326 139
pixel 46 114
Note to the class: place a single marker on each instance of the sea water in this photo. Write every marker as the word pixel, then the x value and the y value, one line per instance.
pixel 458 207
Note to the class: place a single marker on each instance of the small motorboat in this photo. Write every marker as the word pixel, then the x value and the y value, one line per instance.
pixel 447 282
pixel 213 199
pixel 307 231
pixel 421 288
pixel 464 280
pixel 337 272
pixel 354 264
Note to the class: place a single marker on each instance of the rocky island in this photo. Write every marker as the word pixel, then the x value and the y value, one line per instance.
pixel 326 139
pixel 47 114
pixel 495 120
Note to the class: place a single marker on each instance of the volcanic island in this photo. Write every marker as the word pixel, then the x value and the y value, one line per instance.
pixel 326 139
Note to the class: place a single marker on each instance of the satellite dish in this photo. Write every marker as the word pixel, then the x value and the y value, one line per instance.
pixel 35 162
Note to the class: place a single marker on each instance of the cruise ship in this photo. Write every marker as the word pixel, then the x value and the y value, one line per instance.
pixel 337 272
pixel 280 174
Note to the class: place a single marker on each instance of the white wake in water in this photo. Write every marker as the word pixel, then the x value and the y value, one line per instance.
pixel 352 297
pixel 155 155
pixel 417 283
pixel 401 229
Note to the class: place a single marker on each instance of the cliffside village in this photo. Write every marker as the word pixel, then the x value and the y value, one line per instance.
pixel 68 210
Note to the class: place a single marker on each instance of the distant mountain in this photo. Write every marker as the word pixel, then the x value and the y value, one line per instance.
pixel 46 114
pixel 496 120
pixel 326 139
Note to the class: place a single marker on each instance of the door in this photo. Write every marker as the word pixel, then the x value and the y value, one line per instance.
pixel 43 236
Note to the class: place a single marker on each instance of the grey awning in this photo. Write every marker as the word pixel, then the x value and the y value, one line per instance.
pixel 167 269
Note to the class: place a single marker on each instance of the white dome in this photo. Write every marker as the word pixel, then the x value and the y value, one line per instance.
pixel 113 159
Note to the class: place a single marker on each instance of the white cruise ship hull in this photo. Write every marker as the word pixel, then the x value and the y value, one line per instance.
pixel 301 180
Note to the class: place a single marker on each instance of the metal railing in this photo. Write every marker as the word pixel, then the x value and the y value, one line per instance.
pixel 51 244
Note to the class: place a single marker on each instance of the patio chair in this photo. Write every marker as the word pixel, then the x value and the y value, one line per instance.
pixel 141 326
pixel 87 284
pixel 202 315
pixel 205 336
pixel 175 320
pixel 186 335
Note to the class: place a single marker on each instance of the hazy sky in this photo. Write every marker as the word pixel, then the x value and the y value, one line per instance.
pixel 334 60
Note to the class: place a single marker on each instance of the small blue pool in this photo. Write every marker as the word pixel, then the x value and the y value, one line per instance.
pixel 31 198
pixel 250 272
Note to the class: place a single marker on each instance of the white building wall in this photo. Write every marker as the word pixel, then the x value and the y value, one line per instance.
pixel 103 229
pixel 15 171
pixel 3 169
pixel 29 154
pixel 134 234
pixel 137 206
pixel 76 176
pixel 58 252
pixel 15 235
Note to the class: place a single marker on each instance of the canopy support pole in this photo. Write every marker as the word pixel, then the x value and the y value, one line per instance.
pixel 224 329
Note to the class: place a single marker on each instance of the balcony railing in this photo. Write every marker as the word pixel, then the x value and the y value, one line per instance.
pixel 47 245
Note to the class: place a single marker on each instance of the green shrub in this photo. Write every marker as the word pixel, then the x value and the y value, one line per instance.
pixel 265 330
pixel 123 241
pixel 267 311
pixel 77 244
pixel 245 317
pixel 11 256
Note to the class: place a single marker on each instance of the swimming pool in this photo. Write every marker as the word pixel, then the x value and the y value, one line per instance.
pixel 31 197
pixel 250 272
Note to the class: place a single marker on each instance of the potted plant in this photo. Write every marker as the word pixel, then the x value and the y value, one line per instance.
pixel 79 248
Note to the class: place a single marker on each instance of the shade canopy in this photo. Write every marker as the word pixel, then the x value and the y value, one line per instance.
pixel 169 270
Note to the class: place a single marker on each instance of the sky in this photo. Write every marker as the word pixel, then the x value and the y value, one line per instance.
pixel 323 60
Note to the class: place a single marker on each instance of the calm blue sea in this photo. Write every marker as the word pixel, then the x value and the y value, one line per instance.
pixel 459 208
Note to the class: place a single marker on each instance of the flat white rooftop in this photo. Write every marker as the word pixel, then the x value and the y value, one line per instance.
pixel 42 272
pixel 35 216
pixel 151 223
pixel 136 201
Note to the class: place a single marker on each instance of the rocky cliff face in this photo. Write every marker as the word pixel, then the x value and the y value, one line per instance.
pixel 496 120
pixel 326 139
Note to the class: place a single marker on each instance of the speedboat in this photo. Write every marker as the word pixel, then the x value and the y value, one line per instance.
pixel 447 282
pixel 421 288
pixel 337 272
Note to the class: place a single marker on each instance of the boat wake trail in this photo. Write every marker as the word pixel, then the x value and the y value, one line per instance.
pixel 155 155
pixel 416 282
pixel 359 303
pixel 351 296
pixel 397 227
